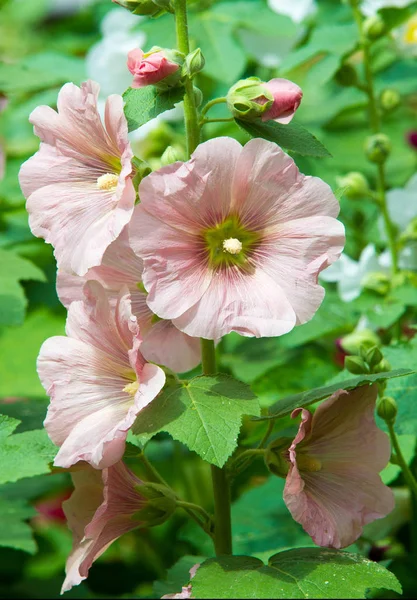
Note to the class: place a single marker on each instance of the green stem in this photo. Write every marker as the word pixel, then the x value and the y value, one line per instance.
pixel 196 508
pixel 408 476
pixel 211 103
pixel 375 122
pixel 208 357
pixel 151 472
pixel 242 462
pixel 228 120
pixel 190 109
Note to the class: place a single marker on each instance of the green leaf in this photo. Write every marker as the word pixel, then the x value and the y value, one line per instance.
pixel 408 448
pixel 177 576
pixel 403 390
pixel 393 17
pixel 23 454
pixel 205 414
pixel 14 532
pixel 291 137
pixel 287 405
pixel 13 302
pixel 144 104
pixel 300 573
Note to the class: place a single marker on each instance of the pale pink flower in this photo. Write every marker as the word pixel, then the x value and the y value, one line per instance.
pixel 150 68
pixel 287 98
pixel 333 488
pixel 97 379
pixel 162 342
pixel 100 510
pixel 79 186
pixel 234 239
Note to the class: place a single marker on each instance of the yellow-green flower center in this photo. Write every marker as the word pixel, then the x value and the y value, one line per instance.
pixel 410 35
pixel 131 388
pixel 307 463
pixel 230 243
pixel 108 181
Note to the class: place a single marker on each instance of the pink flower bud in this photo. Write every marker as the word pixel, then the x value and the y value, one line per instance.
pixel 151 68
pixel 287 98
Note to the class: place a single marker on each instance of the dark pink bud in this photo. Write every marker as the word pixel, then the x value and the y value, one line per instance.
pixel 151 68
pixel 287 98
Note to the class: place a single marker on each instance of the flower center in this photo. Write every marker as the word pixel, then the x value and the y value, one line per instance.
pixel 410 36
pixel 229 243
pixel 308 463
pixel 131 388
pixel 108 181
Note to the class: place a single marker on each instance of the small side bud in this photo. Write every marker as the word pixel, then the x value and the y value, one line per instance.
pixel 275 456
pixel 386 408
pixel 198 95
pixel 194 63
pixel 160 67
pixel 373 356
pixel 373 27
pixel 346 75
pixel 356 365
pixel 161 503
pixel 355 183
pixel 147 8
pixel 378 282
pixel 389 99
pixel 377 148
pixel 171 155
pixel 357 339
pixel 249 99
pixel 382 367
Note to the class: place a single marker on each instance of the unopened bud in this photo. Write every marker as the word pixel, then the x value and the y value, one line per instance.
pixel 160 67
pixel 357 339
pixel 355 183
pixel 377 148
pixel 194 63
pixel 170 156
pixel 249 99
pixel 387 409
pixel 198 96
pixel 356 365
pixel 275 456
pixel 382 367
pixel 373 356
pixel 346 75
pixel 140 7
pixel 377 282
pixel 373 27
pixel 389 99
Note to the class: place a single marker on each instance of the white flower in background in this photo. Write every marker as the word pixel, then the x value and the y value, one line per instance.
pixel 370 7
pixel 350 275
pixel 67 7
pixel 402 206
pixel 406 37
pixel 297 10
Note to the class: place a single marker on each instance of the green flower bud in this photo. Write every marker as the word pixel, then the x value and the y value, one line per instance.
pixel 373 27
pixel 160 505
pixel 389 99
pixel 356 365
pixel 198 95
pixel 249 99
pixel 382 367
pixel 346 75
pixel 373 356
pixel 140 7
pixel 387 409
pixel 377 148
pixel 355 183
pixel 194 63
pixel 377 282
pixel 275 456
pixel 357 339
pixel 170 156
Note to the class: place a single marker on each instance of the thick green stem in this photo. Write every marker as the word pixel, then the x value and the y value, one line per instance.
pixel 375 122
pixel 408 476
pixel 190 109
pixel 208 357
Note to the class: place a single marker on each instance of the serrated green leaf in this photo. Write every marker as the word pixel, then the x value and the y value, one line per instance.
pixel 287 405
pixel 23 454
pixel 204 413
pixel 177 576
pixel 144 104
pixel 13 302
pixel 404 389
pixel 14 532
pixel 299 573
pixel 292 137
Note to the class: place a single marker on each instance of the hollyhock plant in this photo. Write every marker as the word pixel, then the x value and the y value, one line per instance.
pixel 79 186
pixel 156 67
pixel 234 239
pixel 333 487
pixel 97 379
pixel 162 342
pixel 104 505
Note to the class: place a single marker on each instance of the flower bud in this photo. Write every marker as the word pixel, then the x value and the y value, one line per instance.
pixel 171 155
pixel 140 7
pixel 356 365
pixel 355 183
pixel 287 98
pixel 159 67
pixel 198 96
pixel 389 99
pixel 160 505
pixel 377 148
pixel 382 367
pixel 346 75
pixel 194 63
pixel 276 456
pixel 373 27
pixel 387 409
pixel 354 341
pixel 372 356
pixel 377 282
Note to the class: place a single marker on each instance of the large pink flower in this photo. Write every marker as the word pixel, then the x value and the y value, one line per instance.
pixel 234 239
pixel 162 342
pixel 79 186
pixel 98 380
pixel 333 487
pixel 99 511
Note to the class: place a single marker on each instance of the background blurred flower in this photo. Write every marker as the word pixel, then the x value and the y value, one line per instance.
pixel 371 7
pixel 297 10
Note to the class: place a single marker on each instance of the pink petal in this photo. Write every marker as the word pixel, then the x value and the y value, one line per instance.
pixel 167 345
pixel 287 98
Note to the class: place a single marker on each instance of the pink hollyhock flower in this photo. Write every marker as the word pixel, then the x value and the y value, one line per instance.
pixel 79 186
pixel 333 488
pixel 151 68
pixel 98 380
pixel 162 342
pixel 287 98
pixel 234 239
pixel 100 510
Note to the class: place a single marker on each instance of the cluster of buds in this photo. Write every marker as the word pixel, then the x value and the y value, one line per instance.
pixel 368 360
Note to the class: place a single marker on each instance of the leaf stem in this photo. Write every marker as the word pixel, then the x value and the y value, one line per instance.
pixel 211 103
pixel 408 475
pixel 228 120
